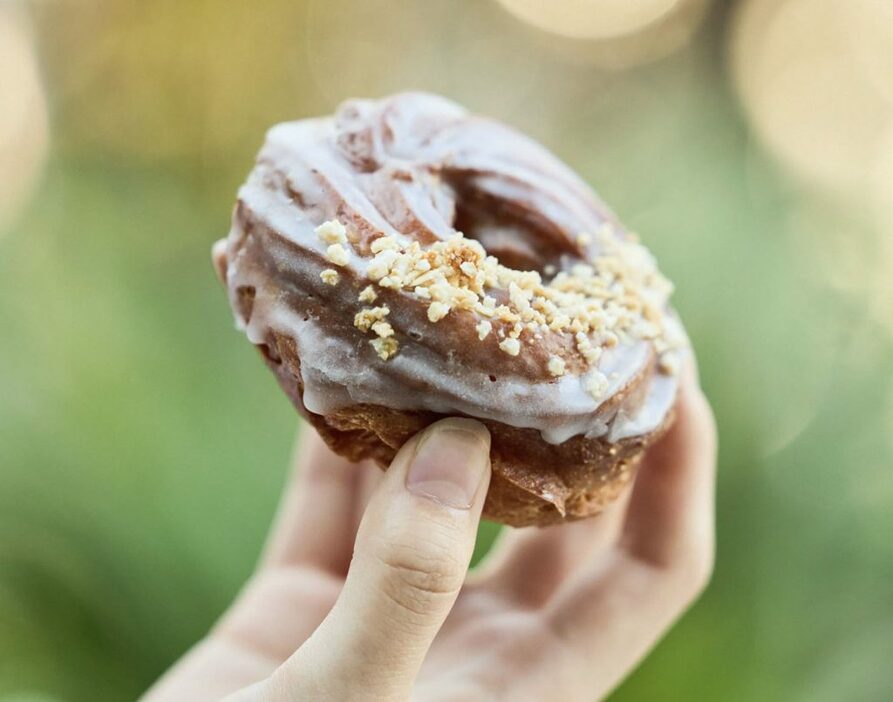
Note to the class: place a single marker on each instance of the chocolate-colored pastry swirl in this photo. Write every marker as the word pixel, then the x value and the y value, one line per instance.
pixel 405 261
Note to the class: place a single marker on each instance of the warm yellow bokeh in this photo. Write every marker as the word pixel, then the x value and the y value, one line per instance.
pixel 23 115
pixel 590 19
pixel 816 83
pixel 167 78
pixel 871 30
pixel 612 34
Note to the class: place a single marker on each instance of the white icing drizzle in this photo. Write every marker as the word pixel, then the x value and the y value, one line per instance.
pixel 338 374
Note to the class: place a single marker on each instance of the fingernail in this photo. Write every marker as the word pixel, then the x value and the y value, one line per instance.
pixel 450 462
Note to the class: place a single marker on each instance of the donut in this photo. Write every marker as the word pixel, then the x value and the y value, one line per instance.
pixel 404 261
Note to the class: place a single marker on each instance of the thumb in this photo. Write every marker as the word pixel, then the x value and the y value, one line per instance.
pixel 410 559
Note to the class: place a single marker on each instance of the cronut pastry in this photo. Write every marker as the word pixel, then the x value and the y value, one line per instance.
pixel 405 261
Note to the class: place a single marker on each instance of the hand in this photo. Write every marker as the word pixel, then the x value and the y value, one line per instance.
pixel 563 612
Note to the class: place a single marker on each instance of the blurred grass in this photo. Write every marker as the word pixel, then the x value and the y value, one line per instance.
pixel 143 445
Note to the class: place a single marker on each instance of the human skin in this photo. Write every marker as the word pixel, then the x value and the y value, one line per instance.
pixel 363 591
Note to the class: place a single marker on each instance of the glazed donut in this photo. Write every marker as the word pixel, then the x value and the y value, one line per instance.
pixel 404 261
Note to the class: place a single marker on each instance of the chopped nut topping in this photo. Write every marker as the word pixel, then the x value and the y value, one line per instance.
pixel 437 311
pixel 382 243
pixel 520 298
pixel 610 340
pixel 364 319
pixel 596 383
pixel 383 329
pixel 511 346
pixel 618 296
pixel 332 232
pixel 556 366
pixel 368 294
pixel 483 328
pixel 372 318
pixel 587 350
pixel 385 348
pixel 468 268
pixel 330 276
pixel 338 255
pixel 381 264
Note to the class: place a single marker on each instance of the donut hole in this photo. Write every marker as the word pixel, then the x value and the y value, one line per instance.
pixel 519 238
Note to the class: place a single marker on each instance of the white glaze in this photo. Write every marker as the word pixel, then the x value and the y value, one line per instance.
pixel 337 374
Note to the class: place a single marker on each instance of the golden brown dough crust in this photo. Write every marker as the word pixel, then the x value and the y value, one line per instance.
pixel 533 483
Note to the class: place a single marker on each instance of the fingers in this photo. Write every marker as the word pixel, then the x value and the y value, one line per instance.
pixel 316 523
pixel 609 618
pixel 211 670
pixel 671 515
pixel 411 557
pixel 527 565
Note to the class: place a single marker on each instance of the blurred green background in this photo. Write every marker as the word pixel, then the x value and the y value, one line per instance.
pixel 143 445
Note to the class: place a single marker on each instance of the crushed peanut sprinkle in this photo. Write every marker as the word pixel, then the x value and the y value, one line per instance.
pixel 385 348
pixel 330 276
pixel 338 255
pixel 556 365
pixel 596 383
pixel 368 294
pixel 364 319
pixel 617 296
pixel 372 319
pixel 437 311
pixel 332 232
pixel 511 346
pixel 383 329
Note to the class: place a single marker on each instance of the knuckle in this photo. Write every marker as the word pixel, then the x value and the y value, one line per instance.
pixel 701 569
pixel 694 572
pixel 426 569
pixel 416 574
pixel 686 572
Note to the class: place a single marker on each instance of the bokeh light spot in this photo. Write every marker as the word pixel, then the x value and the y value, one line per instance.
pixel 590 19
pixel 23 115
pixel 806 83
